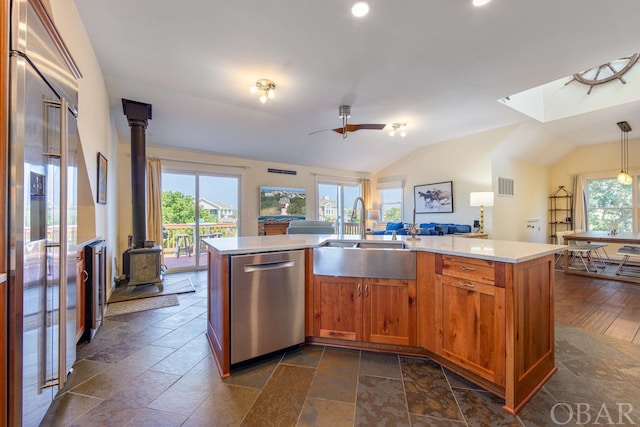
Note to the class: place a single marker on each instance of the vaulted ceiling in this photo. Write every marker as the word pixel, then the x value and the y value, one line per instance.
pixel 438 65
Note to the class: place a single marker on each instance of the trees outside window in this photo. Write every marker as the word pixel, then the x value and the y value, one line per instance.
pixel 391 204
pixel 180 208
pixel 609 201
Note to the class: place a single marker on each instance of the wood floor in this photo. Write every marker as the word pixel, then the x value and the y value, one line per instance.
pixel 604 307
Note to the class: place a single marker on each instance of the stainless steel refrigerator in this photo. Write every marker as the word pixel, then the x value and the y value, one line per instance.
pixel 42 213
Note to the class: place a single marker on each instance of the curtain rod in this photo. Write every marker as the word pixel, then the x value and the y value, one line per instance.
pixel 196 162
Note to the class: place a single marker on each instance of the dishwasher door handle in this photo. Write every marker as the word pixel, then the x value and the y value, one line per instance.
pixel 250 268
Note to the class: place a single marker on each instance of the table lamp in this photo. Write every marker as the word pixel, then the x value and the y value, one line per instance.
pixel 373 215
pixel 482 199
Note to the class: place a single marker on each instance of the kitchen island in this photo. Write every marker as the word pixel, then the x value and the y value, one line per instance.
pixel 482 308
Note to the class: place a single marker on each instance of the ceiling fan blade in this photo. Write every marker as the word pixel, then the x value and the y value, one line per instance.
pixel 374 126
pixel 354 127
pixel 318 131
pixel 347 128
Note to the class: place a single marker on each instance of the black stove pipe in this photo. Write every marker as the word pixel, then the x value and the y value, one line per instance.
pixel 138 114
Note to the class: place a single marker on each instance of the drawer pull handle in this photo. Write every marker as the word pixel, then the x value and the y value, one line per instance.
pixel 463 268
pixel 466 285
pixel 359 293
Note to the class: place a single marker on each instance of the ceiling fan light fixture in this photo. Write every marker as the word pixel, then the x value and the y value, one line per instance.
pixel 266 88
pixel 478 3
pixel 360 9
pixel 398 127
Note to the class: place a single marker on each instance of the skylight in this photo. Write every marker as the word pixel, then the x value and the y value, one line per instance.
pixel 604 86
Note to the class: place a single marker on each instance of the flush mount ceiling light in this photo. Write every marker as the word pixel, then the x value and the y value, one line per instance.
pixel 623 176
pixel 266 88
pixel 478 3
pixel 399 127
pixel 360 9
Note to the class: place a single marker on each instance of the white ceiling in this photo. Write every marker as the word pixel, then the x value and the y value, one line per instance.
pixel 438 65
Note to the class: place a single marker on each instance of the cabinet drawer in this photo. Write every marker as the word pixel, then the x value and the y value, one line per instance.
pixel 478 270
pixel 469 285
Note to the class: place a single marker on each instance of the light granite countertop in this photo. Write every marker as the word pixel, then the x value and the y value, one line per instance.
pixel 493 250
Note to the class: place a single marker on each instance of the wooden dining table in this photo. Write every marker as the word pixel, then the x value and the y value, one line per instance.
pixel 624 238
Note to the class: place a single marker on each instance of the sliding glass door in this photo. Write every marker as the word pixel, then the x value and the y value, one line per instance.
pixel 196 206
pixel 335 205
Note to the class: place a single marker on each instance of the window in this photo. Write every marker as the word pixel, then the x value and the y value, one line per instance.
pixel 216 215
pixel 390 196
pixel 609 201
pixel 335 202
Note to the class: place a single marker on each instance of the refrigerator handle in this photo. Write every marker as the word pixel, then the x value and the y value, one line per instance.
pixel 62 235
pixel 60 243
pixel 54 379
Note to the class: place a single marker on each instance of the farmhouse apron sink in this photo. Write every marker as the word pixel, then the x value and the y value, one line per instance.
pixel 359 258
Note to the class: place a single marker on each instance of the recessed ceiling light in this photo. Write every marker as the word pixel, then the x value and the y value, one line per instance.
pixel 478 3
pixel 360 9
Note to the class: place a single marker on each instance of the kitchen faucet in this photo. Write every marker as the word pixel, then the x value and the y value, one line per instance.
pixel 362 213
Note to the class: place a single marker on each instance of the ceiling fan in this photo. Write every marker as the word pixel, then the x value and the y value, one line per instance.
pixel 344 112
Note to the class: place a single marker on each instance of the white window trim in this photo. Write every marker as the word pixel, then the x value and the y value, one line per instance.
pixel 634 194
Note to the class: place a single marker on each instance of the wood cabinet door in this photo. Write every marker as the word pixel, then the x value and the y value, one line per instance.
pixel 81 303
pixel 471 317
pixel 337 307
pixel 389 311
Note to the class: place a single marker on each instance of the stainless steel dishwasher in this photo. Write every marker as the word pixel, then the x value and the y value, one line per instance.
pixel 267 303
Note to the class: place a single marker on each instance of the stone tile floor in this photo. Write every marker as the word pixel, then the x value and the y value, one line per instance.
pixel 155 368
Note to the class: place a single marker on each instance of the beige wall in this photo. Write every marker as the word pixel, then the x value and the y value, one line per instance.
pixel 510 214
pixel 465 161
pixel 593 161
pixel 95 128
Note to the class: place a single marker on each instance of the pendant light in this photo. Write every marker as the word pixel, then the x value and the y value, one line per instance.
pixel 623 176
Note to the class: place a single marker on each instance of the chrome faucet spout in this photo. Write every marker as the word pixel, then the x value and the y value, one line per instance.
pixel 362 215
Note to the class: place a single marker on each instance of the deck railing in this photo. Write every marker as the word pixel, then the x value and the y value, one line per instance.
pixel 205 229
pixel 211 229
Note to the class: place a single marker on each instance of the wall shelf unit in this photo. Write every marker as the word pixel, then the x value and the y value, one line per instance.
pixel 560 212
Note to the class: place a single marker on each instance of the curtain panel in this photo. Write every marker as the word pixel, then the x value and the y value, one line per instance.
pixel 154 200
pixel 579 204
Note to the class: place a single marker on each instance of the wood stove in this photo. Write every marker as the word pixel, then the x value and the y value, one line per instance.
pixel 142 261
pixel 143 266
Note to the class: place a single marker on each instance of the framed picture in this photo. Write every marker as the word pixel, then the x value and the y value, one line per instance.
pixel 433 198
pixel 102 179
pixel 282 201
